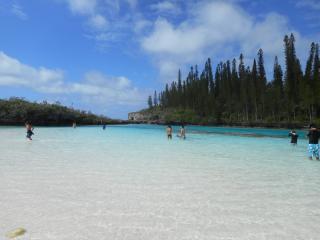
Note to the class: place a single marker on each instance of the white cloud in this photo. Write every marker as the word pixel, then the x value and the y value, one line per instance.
pixel 17 10
pixel 14 73
pixel 104 21
pixel 141 24
pixel 99 79
pixel 83 7
pixel 132 3
pixel 98 22
pixel 110 90
pixel 313 4
pixel 165 7
pixel 95 85
pixel 214 29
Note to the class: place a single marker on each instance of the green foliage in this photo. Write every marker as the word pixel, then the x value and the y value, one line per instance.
pixel 239 94
pixel 16 111
pixel 150 104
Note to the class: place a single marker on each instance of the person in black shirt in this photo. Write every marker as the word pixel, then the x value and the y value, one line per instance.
pixel 313 148
pixel 294 137
pixel 29 130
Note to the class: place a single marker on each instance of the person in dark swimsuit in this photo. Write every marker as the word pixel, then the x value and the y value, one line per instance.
pixel 104 127
pixel 294 137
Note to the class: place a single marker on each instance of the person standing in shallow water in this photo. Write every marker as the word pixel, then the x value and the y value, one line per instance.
pixel 169 132
pixel 294 137
pixel 313 148
pixel 29 130
pixel 182 132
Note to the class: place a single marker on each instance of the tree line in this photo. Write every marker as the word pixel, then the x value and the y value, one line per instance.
pixel 239 93
pixel 16 111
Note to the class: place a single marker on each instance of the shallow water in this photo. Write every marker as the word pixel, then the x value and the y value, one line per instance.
pixel 130 182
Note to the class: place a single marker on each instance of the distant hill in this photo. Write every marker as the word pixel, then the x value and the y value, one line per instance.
pixel 16 111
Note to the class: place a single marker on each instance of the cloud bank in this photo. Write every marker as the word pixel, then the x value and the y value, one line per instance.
pixel 213 29
pixel 95 86
pixel 217 29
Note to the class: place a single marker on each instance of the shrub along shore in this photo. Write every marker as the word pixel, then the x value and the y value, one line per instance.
pixel 173 116
pixel 16 111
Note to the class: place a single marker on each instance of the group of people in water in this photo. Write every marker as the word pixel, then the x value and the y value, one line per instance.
pixel 181 134
pixel 313 136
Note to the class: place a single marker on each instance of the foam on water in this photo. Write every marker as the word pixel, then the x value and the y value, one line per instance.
pixel 130 182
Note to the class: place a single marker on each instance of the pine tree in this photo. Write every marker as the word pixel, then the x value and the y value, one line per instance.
pixel 211 90
pixel 244 94
pixel 155 99
pixel 316 78
pixel 166 96
pixel 261 83
pixel 150 102
pixel 277 90
pixel 179 102
pixel 235 86
pixel 292 75
pixel 253 89
pixel 307 85
pixel 243 89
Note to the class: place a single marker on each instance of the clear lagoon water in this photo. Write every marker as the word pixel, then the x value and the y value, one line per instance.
pixel 130 182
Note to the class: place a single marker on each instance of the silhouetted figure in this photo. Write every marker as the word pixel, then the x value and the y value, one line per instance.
pixel 294 137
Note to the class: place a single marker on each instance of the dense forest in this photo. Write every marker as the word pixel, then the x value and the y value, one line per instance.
pixel 236 93
pixel 16 111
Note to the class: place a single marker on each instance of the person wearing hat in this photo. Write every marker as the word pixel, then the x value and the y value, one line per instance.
pixel 313 147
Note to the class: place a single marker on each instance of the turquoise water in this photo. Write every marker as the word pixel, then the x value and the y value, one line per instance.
pixel 130 182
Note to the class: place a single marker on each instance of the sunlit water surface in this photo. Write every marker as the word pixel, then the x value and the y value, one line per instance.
pixel 130 182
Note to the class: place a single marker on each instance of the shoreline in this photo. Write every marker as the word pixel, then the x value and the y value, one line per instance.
pixel 62 124
pixel 172 116
pixel 243 125
pixel 174 123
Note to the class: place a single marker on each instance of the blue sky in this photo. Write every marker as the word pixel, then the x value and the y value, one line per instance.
pixel 107 56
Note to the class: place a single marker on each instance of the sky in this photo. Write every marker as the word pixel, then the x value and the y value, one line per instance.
pixel 108 56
